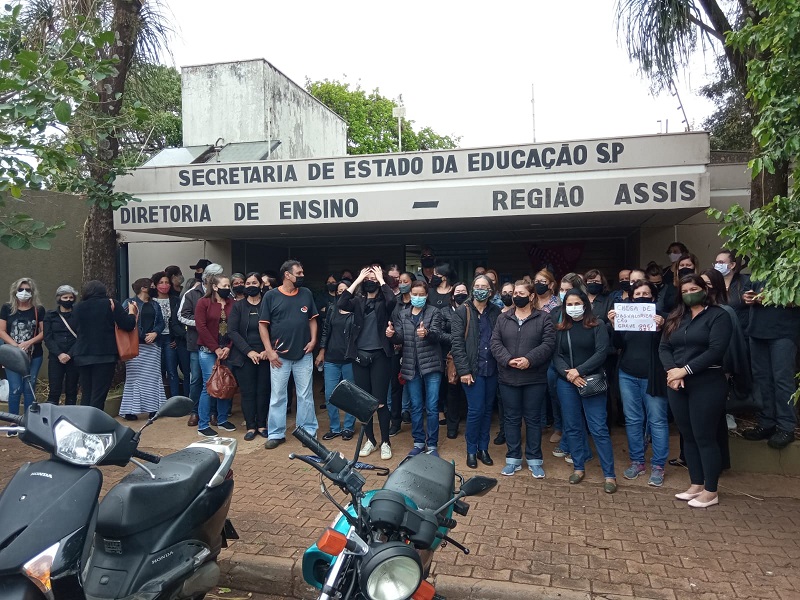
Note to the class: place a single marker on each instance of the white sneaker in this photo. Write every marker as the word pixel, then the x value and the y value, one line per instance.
pixel 730 420
pixel 367 449
pixel 386 451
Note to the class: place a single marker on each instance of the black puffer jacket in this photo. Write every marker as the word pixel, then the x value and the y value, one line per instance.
pixel 465 347
pixel 535 340
pixel 426 351
pixel 446 340
pixel 384 306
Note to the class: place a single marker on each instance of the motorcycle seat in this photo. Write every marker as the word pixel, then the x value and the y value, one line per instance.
pixel 138 502
pixel 427 480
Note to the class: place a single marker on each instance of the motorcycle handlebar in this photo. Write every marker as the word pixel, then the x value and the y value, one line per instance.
pixel 332 462
pixel 4 416
pixel 151 458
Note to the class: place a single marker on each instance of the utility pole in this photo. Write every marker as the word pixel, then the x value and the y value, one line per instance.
pixel 400 113
pixel 533 112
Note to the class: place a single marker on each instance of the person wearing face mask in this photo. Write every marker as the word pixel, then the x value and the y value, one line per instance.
pixel 471 334
pixel 372 351
pixel 494 278
pixel 59 337
pixel 169 303
pixel 418 329
pixel 666 294
pixel 237 287
pixel 522 343
pixel 337 344
pixel 692 350
pixel 544 284
pixel 248 358
pixel 393 278
pixel 427 260
pixel 441 286
pixel 212 318
pixel 622 293
pixel 21 325
pixel 687 265
pixel 178 329
pixel 736 283
pixel 506 294
pixel 643 387
pixel 674 253
pixel 597 290
pixel 451 395
pixel 199 270
pixel 581 350
pixel 400 405
pixel 328 297
pixel 144 385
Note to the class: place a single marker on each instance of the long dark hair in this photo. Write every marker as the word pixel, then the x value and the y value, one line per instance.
pixel 94 289
pixel 676 316
pixel 717 291
pixel 589 320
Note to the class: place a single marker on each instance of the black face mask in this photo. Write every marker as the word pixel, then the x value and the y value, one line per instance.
pixel 625 286
pixel 594 288
pixel 427 262
pixel 684 272
pixel 521 301
pixel 299 281
pixel 541 288
pixel 506 298
pixel 370 286
pixel 659 286
pixel 252 290
pixel 224 293
pixel 238 290
pixel 641 300
pixel 331 286
pixel 198 276
pixel 459 298
pixel 66 303
pixel 436 280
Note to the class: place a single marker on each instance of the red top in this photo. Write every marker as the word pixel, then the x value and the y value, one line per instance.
pixel 206 320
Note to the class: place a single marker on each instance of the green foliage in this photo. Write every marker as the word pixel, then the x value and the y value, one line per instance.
pixel 731 124
pixel 371 128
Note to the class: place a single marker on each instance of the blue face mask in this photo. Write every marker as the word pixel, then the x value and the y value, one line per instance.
pixel 418 301
pixel 480 295
pixel 562 295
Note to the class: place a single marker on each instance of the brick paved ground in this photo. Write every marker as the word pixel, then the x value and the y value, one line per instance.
pixel 639 542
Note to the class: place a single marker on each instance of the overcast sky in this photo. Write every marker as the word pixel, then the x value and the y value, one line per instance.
pixel 463 68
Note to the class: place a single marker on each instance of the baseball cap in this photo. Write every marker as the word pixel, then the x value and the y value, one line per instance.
pixel 201 264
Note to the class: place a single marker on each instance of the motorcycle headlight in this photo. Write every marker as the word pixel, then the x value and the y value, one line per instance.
pixel 391 571
pixel 38 569
pixel 78 447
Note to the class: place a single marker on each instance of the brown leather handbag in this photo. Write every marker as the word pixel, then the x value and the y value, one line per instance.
pixel 127 341
pixel 222 384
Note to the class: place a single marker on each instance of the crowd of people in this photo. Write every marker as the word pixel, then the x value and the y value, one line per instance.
pixel 439 352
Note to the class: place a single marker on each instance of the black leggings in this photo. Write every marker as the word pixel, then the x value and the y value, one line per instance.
pixel 254 384
pixel 698 408
pixel 375 380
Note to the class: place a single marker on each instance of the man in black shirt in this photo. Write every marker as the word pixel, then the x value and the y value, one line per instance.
pixel 288 329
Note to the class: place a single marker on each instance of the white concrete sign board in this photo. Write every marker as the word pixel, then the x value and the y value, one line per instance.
pixel 633 316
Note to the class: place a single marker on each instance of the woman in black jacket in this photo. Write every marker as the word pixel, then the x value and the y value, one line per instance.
pixel 452 399
pixel 59 337
pixel 522 343
pixel 336 344
pixel 473 323
pixel 373 351
pixel 248 358
pixel 581 350
pixel 95 350
pixel 692 350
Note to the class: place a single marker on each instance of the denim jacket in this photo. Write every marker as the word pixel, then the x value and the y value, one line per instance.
pixel 158 325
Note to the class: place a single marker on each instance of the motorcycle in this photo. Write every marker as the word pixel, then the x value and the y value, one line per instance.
pixel 155 536
pixel 381 545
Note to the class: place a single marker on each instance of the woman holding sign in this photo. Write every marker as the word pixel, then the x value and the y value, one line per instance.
pixel 642 383
pixel 696 335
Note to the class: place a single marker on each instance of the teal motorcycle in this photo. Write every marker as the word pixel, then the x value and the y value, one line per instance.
pixel 381 544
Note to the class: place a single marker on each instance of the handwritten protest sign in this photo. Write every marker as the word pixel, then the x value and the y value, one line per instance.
pixel 632 316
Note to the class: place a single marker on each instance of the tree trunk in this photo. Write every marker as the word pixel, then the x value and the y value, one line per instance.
pixel 100 248
pixel 768 185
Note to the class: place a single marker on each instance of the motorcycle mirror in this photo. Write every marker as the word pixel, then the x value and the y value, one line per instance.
pixel 478 485
pixel 352 399
pixel 177 406
pixel 14 359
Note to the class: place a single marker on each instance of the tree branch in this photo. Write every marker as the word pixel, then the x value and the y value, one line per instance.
pixel 708 29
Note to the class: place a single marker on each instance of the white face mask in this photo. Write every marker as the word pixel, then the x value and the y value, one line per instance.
pixel 674 256
pixel 576 312
pixel 723 268
pixel 24 296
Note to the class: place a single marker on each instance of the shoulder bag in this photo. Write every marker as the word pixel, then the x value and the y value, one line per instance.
pixel 127 341
pixel 450 363
pixel 596 383
pixel 222 384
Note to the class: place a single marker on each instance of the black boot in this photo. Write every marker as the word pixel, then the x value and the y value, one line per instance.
pixel 483 456
pixel 472 461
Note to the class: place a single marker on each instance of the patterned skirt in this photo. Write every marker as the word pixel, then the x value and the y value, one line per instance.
pixel 144 386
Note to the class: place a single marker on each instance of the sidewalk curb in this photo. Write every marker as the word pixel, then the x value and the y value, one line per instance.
pixel 283 576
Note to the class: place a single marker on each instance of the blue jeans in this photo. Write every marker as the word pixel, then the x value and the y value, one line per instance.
pixel 207 403
pixel 196 383
pixel 424 392
pixel 573 409
pixel 406 399
pixel 185 364
pixel 640 408
pixel 334 373
pixel 480 396
pixel 17 388
pixel 302 370
pixel 523 402
pixel 169 358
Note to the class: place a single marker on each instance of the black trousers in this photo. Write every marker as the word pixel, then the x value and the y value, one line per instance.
pixel 396 410
pixel 456 406
pixel 698 408
pixel 62 378
pixel 95 383
pixel 254 385
pixel 375 380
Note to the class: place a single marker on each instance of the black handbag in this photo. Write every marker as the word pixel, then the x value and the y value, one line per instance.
pixel 595 383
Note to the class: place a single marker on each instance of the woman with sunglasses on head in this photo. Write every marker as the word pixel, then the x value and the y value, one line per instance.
pixel 696 336
pixel 21 326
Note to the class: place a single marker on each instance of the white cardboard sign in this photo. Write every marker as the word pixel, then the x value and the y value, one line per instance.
pixel 632 316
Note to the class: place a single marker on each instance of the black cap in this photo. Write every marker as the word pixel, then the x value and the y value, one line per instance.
pixel 201 264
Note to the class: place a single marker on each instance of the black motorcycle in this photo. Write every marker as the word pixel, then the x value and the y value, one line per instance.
pixel 155 536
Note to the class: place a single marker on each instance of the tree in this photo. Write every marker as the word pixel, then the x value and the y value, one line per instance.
pixel 731 124
pixel 371 128
pixel 660 36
